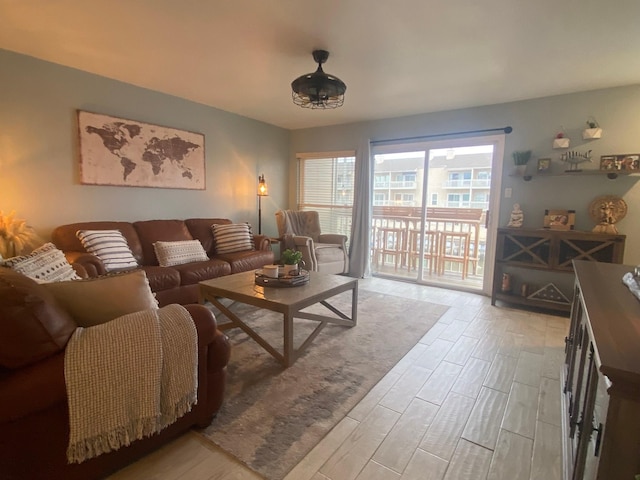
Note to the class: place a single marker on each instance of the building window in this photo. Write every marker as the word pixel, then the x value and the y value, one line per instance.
pixel 434 199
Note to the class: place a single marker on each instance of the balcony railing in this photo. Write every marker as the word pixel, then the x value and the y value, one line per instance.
pixel 467 183
pixel 395 184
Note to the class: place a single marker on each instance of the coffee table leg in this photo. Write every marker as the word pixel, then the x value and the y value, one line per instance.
pixel 288 350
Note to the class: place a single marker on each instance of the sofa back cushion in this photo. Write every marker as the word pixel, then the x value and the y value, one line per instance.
pixel 33 326
pixel 64 236
pixel 151 231
pixel 200 228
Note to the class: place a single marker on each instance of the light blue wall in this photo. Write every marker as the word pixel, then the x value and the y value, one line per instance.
pixel 39 159
pixel 535 123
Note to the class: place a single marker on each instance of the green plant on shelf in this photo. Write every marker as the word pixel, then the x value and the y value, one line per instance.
pixel 521 158
pixel 291 257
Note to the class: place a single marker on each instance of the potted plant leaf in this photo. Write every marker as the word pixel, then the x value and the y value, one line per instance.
pixel 520 160
pixel 290 258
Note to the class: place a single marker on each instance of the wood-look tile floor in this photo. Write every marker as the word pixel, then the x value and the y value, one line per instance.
pixel 477 398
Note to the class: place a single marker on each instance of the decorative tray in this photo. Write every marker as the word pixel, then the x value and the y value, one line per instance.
pixel 283 281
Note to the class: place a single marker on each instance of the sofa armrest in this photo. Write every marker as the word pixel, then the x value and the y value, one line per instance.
pixel 91 263
pixel 31 389
pixel 262 242
pixel 219 349
pixel 333 238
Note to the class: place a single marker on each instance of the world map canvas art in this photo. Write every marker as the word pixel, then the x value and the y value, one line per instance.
pixel 116 151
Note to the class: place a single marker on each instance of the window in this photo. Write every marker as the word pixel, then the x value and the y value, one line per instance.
pixel 434 199
pixel 325 184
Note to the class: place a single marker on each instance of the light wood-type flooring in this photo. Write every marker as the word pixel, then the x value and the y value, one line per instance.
pixel 477 398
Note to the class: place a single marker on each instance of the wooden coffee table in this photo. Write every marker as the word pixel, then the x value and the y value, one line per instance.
pixel 241 288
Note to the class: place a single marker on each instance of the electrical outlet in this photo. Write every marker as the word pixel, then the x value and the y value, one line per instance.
pixel 507 192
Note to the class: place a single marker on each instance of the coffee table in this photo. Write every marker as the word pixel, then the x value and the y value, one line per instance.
pixel 241 288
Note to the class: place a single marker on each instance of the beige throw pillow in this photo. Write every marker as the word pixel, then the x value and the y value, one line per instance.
pixel 98 300
pixel 179 252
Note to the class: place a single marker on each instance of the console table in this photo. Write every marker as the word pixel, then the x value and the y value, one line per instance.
pixel 601 377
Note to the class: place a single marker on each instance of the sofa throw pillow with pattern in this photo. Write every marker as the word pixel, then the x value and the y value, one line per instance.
pixel 45 264
pixel 233 237
pixel 179 252
pixel 110 246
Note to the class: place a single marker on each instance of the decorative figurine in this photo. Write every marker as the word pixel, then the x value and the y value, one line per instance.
pixel 573 158
pixel 517 217
pixel 607 210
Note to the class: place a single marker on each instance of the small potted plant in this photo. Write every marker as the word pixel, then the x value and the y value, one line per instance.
pixel 290 258
pixel 561 141
pixel 593 130
pixel 520 159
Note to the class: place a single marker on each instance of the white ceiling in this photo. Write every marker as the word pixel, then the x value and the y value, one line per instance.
pixel 397 57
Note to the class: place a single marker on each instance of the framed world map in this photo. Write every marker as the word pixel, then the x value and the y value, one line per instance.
pixel 117 151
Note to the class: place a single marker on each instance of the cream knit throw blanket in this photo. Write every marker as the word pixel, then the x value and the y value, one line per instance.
pixel 129 378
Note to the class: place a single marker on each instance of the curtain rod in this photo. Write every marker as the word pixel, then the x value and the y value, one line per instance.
pixel 506 130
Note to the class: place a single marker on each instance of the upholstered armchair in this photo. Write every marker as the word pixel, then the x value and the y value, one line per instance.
pixel 326 253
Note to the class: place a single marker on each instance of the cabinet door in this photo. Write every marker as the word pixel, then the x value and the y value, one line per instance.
pixel 578 383
pixel 571 342
pixel 596 430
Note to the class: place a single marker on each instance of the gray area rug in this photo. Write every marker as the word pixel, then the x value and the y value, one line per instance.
pixel 272 417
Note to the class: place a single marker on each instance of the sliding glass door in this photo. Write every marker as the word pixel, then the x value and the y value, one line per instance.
pixel 432 206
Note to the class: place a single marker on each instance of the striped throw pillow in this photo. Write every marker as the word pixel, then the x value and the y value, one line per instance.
pixel 233 237
pixel 180 252
pixel 45 264
pixel 110 246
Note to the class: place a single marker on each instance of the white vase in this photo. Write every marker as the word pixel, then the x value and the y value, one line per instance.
pixel 290 269
pixel 520 170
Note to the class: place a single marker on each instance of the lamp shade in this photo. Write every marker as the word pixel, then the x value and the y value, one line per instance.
pixel 318 89
pixel 263 190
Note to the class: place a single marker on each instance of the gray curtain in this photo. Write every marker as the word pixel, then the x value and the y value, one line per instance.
pixel 359 247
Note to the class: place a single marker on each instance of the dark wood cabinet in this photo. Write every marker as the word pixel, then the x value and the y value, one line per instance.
pixel 601 377
pixel 522 252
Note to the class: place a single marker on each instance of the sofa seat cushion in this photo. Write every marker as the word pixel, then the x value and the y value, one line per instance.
pixel 162 278
pixel 33 325
pixel 192 273
pixel 247 260
pixel 329 252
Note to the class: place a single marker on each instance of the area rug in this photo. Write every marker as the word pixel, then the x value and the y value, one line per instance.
pixel 272 416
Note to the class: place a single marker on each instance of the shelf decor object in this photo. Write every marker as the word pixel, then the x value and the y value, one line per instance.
pixel 559 219
pixel 629 162
pixel 561 140
pixel 550 293
pixel 606 211
pixel 593 130
pixel 574 158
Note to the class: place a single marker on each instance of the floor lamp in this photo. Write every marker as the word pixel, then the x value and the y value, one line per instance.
pixel 263 191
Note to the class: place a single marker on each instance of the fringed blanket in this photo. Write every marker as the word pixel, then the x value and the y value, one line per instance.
pixel 129 378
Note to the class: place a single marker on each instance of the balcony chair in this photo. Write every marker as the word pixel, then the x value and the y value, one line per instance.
pixel 326 253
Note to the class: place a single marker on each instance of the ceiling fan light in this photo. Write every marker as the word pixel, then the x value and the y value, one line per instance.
pixel 318 89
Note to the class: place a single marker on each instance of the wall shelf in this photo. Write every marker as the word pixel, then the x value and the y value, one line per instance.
pixel 610 174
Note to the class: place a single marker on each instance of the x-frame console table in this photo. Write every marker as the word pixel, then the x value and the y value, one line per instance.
pixel 241 288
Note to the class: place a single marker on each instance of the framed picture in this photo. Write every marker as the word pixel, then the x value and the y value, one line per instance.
pixel 628 162
pixel 560 219
pixel 117 151
pixel 544 165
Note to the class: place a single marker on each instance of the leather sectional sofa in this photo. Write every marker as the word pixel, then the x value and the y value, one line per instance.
pixel 176 284
pixel 34 416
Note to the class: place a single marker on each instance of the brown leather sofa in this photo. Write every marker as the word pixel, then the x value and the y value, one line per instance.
pixel 34 420
pixel 177 284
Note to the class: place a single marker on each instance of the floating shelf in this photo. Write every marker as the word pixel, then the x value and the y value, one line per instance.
pixel 611 175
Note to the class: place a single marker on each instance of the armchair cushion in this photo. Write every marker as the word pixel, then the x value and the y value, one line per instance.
pixel 97 300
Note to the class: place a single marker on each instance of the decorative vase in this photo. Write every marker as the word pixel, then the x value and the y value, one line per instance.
pixel 290 270
pixel 520 170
